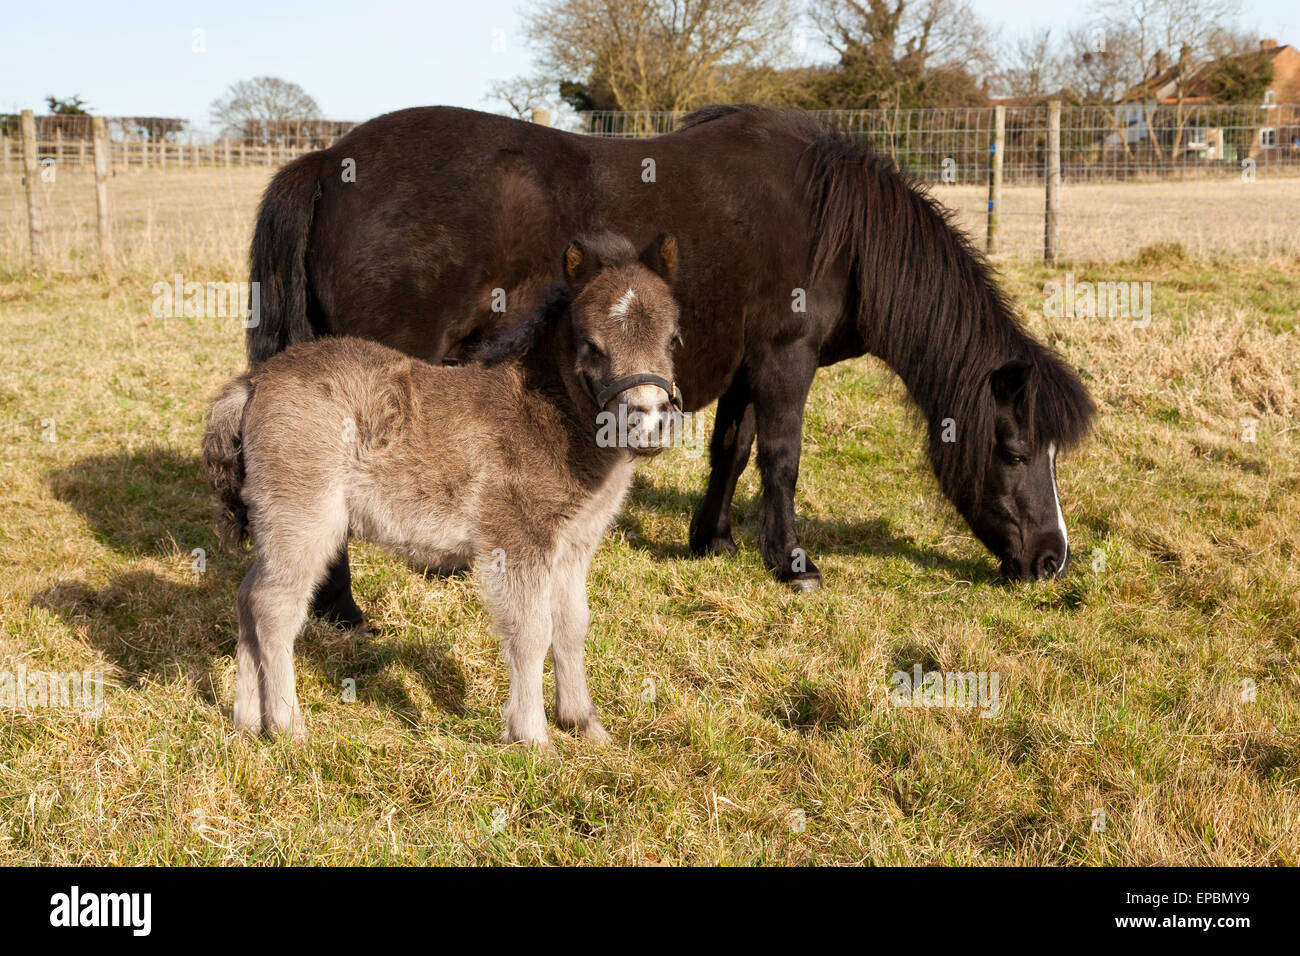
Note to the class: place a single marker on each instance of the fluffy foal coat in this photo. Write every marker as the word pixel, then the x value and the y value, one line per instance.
pixel 496 465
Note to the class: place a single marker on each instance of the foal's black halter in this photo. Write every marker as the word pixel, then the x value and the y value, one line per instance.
pixel 632 381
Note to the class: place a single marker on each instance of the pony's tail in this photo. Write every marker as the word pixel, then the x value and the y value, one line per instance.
pixel 278 260
pixel 223 458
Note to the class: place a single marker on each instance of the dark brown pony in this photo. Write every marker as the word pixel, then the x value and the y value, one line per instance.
pixel 799 249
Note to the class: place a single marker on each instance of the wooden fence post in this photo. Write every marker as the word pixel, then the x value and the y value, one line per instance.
pixel 996 149
pixel 225 147
pixel 4 152
pixel 100 132
pixel 1053 199
pixel 31 172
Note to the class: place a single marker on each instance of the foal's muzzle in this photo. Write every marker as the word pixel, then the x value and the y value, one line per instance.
pixel 645 426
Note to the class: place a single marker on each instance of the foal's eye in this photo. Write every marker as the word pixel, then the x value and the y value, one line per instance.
pixel 676 341
pixel 592 349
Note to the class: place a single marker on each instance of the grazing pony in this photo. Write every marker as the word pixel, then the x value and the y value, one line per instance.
pixel 500 464
pixel 800 249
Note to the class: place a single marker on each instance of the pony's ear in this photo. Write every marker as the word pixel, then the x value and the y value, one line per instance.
pixel 1009 382
pixel 661 256
pixel 580 264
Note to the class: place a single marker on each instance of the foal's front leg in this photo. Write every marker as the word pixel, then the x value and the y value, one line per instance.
pixel 570 620
pixel 520 603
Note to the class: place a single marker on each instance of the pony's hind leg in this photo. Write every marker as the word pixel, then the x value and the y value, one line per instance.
pixel 729 450
pixel 520 604
pixel 570 619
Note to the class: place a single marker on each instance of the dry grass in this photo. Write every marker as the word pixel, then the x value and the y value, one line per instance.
pixel 1122 686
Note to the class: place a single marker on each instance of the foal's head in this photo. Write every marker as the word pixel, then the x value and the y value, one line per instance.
pixel 624 325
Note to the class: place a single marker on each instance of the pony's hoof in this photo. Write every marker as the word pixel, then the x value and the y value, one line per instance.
pixel 802 585
pixel 596 734
pixel 714 547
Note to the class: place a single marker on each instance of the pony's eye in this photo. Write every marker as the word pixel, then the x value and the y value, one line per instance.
pixel 676 341
pixel 592 349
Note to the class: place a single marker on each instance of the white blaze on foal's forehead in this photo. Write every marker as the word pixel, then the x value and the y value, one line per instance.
pixel 619 309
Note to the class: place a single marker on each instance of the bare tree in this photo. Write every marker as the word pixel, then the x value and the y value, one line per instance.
pixel 1031 65
pixel 935 34
pixel 522 95
pixel 660 54
pixel 263 108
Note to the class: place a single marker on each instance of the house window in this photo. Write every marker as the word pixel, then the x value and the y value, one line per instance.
pixel 1270 97
pixel 1268 137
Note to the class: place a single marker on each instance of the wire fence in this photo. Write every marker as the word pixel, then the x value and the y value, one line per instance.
pixel 1121 142
pixel 1221 182
pixel 1217 181
pixel 159 142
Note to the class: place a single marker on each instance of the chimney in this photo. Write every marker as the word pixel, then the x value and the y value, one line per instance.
pixel 1269 44
pixel 1161 64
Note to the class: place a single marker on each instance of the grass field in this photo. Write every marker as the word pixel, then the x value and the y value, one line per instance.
pixel 752 725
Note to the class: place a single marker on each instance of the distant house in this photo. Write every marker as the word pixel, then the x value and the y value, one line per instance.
pixel 1275 132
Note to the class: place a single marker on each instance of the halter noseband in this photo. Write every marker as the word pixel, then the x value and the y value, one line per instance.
pixel 632 381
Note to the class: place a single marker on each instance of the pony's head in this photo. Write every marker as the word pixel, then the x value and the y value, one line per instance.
pixel 625 327
pixel 1005 485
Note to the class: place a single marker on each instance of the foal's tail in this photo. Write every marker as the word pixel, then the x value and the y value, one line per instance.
pixel 223 457
pixel 278 260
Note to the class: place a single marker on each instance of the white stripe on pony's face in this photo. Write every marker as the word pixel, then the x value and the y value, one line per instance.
pixel 619 309
pixel 1060 518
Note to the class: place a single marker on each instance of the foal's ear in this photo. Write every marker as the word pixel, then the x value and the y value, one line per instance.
pixel 1009 382
pixel 661 256
pixel 580 264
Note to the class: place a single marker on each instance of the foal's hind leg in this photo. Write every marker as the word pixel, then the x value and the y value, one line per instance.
pixel 520 603
pixel 570 619
pixel 273 605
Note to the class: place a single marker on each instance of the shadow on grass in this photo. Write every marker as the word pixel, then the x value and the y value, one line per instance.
pixel 872 537
pixel 154 503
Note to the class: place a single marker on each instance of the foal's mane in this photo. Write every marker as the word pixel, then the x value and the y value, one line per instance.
pixel 514 340
pixel 517 339
pixel 927 302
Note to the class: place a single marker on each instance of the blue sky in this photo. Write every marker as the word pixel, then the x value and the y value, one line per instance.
pixel 357 58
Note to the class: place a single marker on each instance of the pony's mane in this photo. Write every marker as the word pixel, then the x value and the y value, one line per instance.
pixel 517 339
pixel 928 304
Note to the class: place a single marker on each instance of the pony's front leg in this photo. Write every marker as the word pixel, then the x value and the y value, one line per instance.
pixel 520 603
pixel 729 448
pixel 781 387
pixel 570 620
